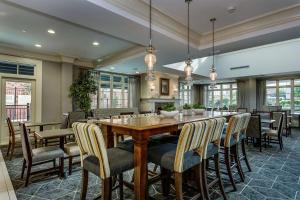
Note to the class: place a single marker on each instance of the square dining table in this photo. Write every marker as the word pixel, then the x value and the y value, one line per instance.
pixel 141 129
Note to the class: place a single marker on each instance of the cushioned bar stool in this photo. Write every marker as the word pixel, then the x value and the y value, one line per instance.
pixel 245 122
pixel 178 158
pixel 105 163
pixel 212 151
pixel 229 143
pixel 38 156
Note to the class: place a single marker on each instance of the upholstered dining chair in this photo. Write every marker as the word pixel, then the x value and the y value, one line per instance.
pixel 72 150
pixel 15 138
pixel 213 148
pixel 38 156
pixel 254 130
pixel 245 122
pixel 229 143
pixel 275 136
pixel 178 158
pixel 104 163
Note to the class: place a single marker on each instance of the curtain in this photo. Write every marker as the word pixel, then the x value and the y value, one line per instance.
pixel 242 94
pixel 261 94
pixel 134 92
pixel 198 93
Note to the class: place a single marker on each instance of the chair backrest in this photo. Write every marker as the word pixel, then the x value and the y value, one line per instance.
pixel 246 118
pixel 280 125
pixel 11 129
pixel 254 127
pixel 74 116
pixel 91 142
pixel 276 116
pixel 26 145
pixel 242 110
pixel 233 129
pixel 216 130
pixel 192 138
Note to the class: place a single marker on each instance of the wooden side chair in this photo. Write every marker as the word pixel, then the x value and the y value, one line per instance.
pixel 15 138
pixel 229 143
pixel 213 148
pixel 275 136
pixel 38 156
pixel 254 131
pixel 178 158
pixel 104 163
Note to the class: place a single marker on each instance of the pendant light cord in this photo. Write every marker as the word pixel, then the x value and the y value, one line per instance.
pixel 213 26
pixel 188 36
pixel 150 24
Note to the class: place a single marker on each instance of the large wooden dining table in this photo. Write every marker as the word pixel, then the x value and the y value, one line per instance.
pixel 141 129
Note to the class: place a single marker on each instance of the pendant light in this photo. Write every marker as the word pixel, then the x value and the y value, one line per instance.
pixel 213 73
pixel 188 68
pixel 150 58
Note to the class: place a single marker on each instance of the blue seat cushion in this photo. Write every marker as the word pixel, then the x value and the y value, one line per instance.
pixel 119 162
pixel 164 156
pixel 212 149
pixel 232 140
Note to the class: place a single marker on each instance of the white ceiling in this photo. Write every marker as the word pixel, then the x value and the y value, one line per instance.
pixel 78 22
pixel 202 10
pixel 69 40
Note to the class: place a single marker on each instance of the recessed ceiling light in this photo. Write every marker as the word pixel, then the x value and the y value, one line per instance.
pixel 38 45
pixel 2 13
pixel 112 68
pixel 99 59
pixel 137 72
pixel 24 31
pixel 51 31
pixel 96 43
pixel 231 9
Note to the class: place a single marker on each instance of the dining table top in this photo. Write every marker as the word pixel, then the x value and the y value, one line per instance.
pixel 34 124
pixel 268 121
pixel 158 121
pixel 54 133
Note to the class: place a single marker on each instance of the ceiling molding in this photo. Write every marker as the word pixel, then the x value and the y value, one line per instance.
pixel 123 55
pixel 138 11
pixel 278 20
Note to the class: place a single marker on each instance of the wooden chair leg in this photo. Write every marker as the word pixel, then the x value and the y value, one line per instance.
pixel 165 181
pixel 8 149
pixel 70 165
pixel 28 174
pixel 54 163
pixel 228 167
pixel 245 153
pixel 204 180
pixel 121 189
pixel 238 163
pixel 84 183
pixel 199 179
pixel 265 140
pixel 218 174
pixel 107 189
pixel 178 186
pixel 23 169
pixel 12 150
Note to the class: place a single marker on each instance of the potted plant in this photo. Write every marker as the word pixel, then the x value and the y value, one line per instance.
pixel 198 108
pixel 81 89
pixel 187 109
pixel 169 110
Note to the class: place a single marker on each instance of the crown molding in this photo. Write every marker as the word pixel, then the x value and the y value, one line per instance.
pixel 138 11
pixel 267 23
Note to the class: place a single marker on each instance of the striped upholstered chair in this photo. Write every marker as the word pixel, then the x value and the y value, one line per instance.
pixel 229 143
pixel 180 157
pixel 243 136
pixel 105 163
pixel 213 148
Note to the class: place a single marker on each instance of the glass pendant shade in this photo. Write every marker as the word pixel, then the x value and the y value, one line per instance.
pixel 213 74
pixel 188 72
pixel 150 59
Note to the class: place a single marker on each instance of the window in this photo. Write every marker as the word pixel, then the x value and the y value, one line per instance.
pixel 185 94
pixel 221 95
pixel 113 91
pixel 12 68
pixel 285 93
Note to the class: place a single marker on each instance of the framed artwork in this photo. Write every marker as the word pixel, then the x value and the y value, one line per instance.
pixel 164 86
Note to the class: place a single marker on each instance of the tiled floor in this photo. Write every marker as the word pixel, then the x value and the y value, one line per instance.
pixel 275 175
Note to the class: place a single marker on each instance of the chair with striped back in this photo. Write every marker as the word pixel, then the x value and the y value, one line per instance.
pixel 212 151
pixel 229 141
pixel 246 119
pixel 183 156
pixel 102 162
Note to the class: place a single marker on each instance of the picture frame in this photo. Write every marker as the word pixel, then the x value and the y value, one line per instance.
pixel 164 86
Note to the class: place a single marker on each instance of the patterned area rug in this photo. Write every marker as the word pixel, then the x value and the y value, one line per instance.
pixel 275 175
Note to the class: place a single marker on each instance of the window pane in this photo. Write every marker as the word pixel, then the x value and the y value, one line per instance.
pixel 297 82
pixel 271 83
pixel 284 82
pixel 297 98
pixel 226 86
pixel 117 96
pixel 210 99
pixel 234 85
pixel 126 80
pixel 217 99
pixel 234 98
pixel 285 97
pixel 104 77
pixel 104 95
pixel 226 98
pixel 117 79
pixel 94 101
pixel 271 96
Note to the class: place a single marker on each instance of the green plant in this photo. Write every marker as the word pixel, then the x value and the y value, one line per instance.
pixel 168 107
pixel 81 89
pixel 198 106
pixel 187 106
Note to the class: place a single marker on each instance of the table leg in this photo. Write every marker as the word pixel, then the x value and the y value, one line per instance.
pixel 108 136
pixel 141 169
pixel 61 145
